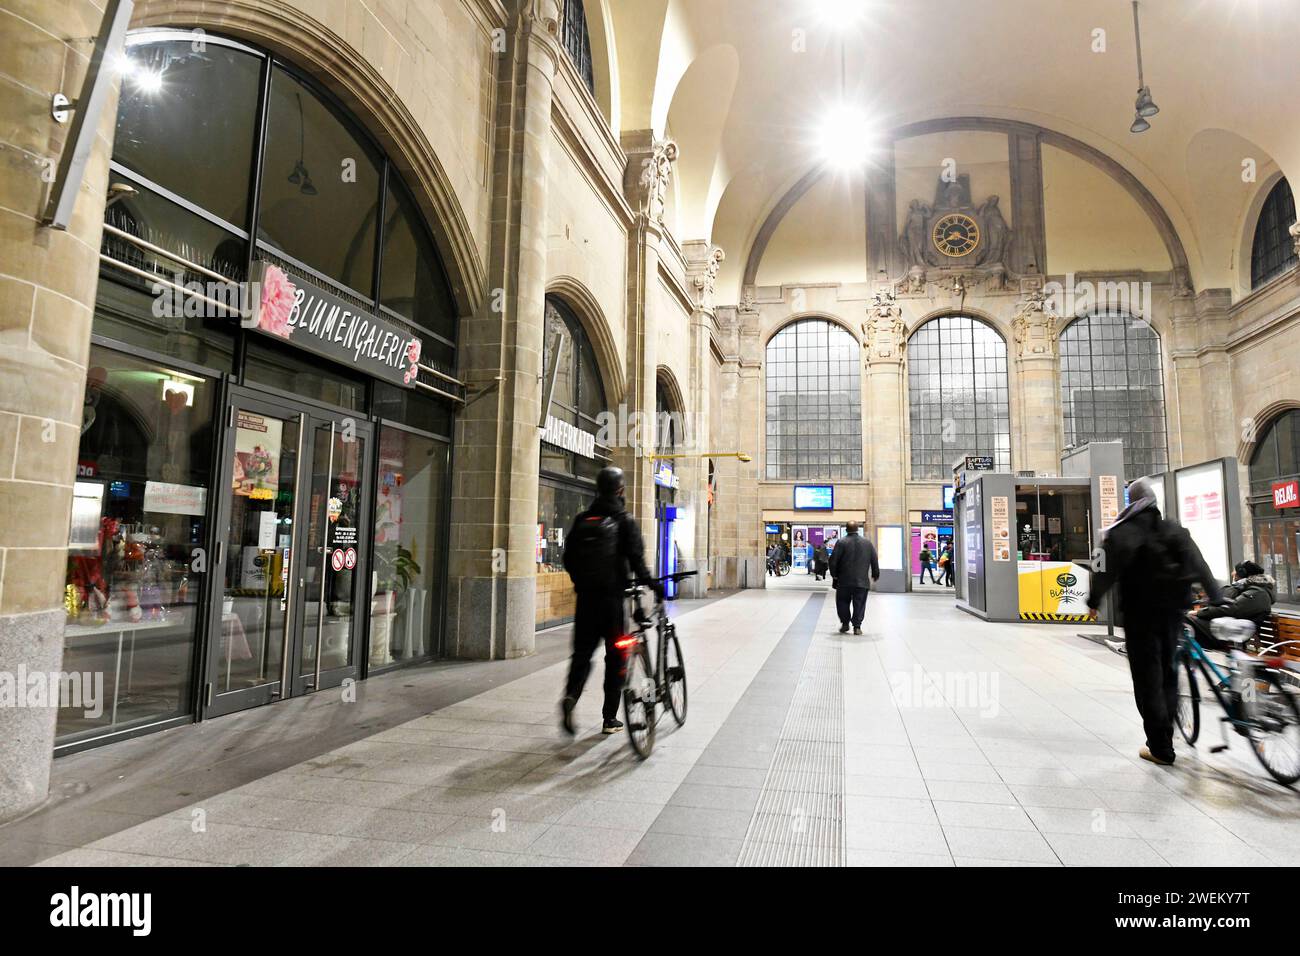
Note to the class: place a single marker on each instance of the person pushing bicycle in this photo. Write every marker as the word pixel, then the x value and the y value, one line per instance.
pixel 603 551
pixel 1154 562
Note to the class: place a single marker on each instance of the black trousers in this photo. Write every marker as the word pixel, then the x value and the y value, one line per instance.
pixel 1151 644
pixel 855 598
pixel 598 619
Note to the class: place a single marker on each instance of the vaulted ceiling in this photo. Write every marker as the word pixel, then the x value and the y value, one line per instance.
pixel 743 84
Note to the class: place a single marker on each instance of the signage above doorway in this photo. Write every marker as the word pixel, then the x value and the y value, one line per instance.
pixel 293 310
pixel 1286 494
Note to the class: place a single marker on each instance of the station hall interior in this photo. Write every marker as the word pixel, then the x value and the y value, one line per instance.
pixel 319 320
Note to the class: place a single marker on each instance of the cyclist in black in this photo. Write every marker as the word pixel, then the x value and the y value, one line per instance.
pixel 603 550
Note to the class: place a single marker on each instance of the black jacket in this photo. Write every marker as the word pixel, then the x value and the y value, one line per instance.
pixel 852 560
pixel 1250 598
pixel 1124 565
pixel 631 548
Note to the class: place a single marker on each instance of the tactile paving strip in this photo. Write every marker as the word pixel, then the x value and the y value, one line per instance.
pixel 799 820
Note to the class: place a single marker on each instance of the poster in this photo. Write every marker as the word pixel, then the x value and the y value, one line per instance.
pixel 1001 527
pixel 799 548
pixel 1109 485
pixel 1201 512
pixel 257 455
pixel 163 497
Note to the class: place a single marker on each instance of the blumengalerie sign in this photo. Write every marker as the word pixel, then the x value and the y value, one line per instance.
pixel 304 315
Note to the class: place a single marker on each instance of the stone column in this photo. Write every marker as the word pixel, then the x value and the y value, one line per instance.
pixel 1221 431
pixel 493 577
pixel 703 260
pixel 1185 396
pixel 737 515
pixel 1037 446
pixel 645 183
pixel 885 341
pixel 47 297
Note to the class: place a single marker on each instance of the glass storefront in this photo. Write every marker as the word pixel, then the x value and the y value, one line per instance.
pixel 136 548
pixel 409 550
pixel 255 516
pixel 1276 462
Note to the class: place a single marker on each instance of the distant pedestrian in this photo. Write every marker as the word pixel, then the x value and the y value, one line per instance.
pixel 853 566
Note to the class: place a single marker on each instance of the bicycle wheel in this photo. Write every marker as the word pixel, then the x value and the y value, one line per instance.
pixel 1274 728
pixel 1188 716
pixel 675 677
pixel 639 702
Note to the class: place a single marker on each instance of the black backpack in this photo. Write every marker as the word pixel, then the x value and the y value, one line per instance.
pixel 591 553
pixel 1165 558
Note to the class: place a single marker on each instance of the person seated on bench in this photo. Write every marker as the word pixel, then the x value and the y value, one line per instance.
pixel 1250 596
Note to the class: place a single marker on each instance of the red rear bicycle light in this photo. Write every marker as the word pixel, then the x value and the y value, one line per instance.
pixel 626 641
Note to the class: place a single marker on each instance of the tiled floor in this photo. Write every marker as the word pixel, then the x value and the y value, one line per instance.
pixel 960 743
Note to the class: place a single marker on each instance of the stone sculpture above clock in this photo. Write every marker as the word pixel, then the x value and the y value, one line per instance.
pixel 953 233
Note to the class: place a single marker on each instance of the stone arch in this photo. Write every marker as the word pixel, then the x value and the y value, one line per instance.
pixel 665 377
pixel 1263 420
pixel 802 316
pixel 1131 184
pixel 584 305
pixel 1250 223
pixel 978 314
pixel 363 90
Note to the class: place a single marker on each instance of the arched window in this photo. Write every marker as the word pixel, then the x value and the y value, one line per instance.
pixel 1112 389
pixel 579 396
pixel 1275 461
pixel 1277 452
pixel 957 395
pixel 577 43
pixel 1273 251
pixel 814 402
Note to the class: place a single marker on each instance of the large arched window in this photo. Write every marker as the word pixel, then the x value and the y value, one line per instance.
pixel 957 395
pixel 1273 251
pixel 814 403
pixel 1277 452
pixel 578 397
pixel 306 187
pixel 577 43
pixel 1112 389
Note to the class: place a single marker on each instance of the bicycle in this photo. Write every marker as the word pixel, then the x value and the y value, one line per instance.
pixel 1255 699
pixel 778 568
pixel 651 683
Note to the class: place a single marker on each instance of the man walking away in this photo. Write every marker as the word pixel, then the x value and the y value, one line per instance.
pixel 945 565
pixel 853 559
pixel 927 564
pixel 603 549
pixel 1154 562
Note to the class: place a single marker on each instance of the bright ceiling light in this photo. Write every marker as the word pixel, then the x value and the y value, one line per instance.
pixel 845 138
pixel 840 12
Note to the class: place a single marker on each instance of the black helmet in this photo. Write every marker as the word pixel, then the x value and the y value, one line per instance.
pixel 609 481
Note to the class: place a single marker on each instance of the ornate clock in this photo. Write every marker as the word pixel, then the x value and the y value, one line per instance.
pixel 955 235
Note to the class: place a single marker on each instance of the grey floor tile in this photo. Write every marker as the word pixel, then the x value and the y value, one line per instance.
pixel 983 843
pixel 1092 850
pixel 997 816
pixel 702 821
pixel 673 849
pixel 606 847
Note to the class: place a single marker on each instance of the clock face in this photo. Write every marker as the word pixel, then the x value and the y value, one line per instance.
pixel 956 235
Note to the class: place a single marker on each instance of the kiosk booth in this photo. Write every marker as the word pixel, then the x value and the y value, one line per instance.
pixel 1024 543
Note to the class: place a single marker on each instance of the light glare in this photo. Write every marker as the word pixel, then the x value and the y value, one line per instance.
pixel 845 138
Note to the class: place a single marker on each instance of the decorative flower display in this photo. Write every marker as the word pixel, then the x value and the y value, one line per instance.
pixel 258 465
pixel 278 296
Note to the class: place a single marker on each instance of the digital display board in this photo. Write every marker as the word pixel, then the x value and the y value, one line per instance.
pixel 814 497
